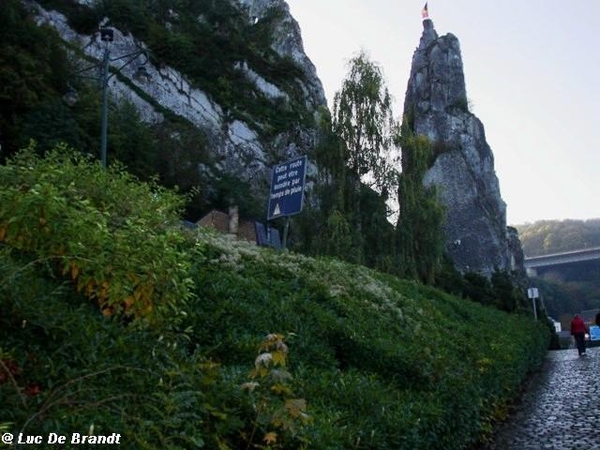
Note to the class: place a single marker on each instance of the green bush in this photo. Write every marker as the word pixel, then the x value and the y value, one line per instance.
pixel 369 361
pixel 76 371
pixel 382 363
pixel 111 235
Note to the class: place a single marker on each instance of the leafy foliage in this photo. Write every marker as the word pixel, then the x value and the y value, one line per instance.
pixel 33 68
pixel 363 119
pixel 355 188
pixel 420 237
pixel 278 412
pixel 555 236
pixel 374 356
pixel 569 289
pixel 46 202
pixel 378 362
pixel 74 370
pixel 563 298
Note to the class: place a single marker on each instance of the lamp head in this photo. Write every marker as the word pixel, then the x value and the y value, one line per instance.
pixel 107 34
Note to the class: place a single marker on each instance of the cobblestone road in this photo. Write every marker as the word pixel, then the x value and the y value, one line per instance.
pixel 560 409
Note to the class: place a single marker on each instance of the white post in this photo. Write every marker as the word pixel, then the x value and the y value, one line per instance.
pixel 234 220
pixel 533 294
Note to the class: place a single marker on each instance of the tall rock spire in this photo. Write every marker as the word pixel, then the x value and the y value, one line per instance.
pixel 463 168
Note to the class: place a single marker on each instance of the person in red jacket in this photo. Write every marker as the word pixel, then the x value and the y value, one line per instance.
pixel 578 331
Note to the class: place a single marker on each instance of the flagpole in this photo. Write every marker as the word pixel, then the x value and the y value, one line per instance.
pixel 425 12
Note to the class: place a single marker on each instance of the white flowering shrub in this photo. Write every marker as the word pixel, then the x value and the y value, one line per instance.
pixel 377 362
pixel 392 363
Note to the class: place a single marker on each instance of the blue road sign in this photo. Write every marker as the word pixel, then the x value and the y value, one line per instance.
pixel 287 188
pixel 595 333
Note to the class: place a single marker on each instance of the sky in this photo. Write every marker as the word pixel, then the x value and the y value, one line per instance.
pixel 532 72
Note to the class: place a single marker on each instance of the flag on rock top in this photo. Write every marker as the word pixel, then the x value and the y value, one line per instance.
pixel 425 12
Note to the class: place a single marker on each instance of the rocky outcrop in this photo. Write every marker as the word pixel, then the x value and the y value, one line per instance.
pixel 463 168
pixel 239 146
pixel 288 42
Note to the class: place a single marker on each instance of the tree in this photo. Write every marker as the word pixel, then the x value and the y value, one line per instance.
pixel 508 297
pixel 555 236
pixel 326 222
pixel 33 67
pixel 419 230
pixel 116 239
pixel 132 142
pixel 364 121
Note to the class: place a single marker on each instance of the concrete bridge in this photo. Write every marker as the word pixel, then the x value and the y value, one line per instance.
pixel 536 263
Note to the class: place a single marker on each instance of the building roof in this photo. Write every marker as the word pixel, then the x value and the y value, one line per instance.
pixel 220 222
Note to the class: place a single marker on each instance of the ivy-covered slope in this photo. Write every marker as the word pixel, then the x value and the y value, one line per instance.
pixel 238 347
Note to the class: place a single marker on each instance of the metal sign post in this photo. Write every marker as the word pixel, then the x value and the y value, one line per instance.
pixel 533 294
pixel 287 191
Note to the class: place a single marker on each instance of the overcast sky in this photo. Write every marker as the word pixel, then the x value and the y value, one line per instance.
pixel 532 71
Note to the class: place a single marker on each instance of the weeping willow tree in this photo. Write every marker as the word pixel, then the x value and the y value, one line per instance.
pixel 363 118
pixel 419 230
pixel 363 121
pixel 324 224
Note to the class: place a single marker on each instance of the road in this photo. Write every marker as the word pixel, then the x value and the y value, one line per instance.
pixel 560 409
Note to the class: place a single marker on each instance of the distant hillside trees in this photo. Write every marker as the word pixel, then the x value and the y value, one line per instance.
pixel 565 290
pixel 554 236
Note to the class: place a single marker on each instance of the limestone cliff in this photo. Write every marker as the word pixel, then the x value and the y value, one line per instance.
pixel 463 168
pixel 243 146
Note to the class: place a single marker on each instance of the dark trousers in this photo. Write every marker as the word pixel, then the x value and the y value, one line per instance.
pixel 580 341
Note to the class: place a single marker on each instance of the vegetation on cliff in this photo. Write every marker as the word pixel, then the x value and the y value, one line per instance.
pixel 238 347
pixel 210 42
pixel 421 241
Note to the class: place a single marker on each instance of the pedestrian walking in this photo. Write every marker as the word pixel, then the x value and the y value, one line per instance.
pixel 578 331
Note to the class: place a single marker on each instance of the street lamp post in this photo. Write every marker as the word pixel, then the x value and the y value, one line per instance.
pixel 104 112
pixel 107 36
